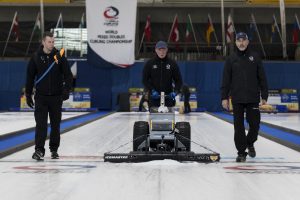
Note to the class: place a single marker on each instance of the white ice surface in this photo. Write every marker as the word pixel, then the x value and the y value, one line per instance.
pixel 81 173
pixel 15 121
pixel 287 120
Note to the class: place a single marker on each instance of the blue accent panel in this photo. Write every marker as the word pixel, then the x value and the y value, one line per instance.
pixel 106 80
pixel 99 82
pixel 282 135
pixel 12 79
pixel 13 141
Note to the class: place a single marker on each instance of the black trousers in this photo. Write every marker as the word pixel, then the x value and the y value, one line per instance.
pixel 187 107
pixel 142 101
pixel 242 141
pixel 45 105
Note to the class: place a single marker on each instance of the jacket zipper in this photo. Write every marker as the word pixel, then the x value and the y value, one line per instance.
pixel 49 80
pixel 161 67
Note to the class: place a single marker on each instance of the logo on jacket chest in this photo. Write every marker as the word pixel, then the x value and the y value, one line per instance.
pixel 168 66
pixel 251 58
pixel 44 59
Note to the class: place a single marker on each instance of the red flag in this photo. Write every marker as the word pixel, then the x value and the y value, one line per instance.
pixel 295 33
pixel 175 31
pixel 188 32
pixel 147 29
pixel 15 29
pixel 230 30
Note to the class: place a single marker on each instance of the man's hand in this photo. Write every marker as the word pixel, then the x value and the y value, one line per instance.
pixel 263 102
pixel 225 104
pixel 65 95
pixel 154 94
pixel 29 101
pixel 173 95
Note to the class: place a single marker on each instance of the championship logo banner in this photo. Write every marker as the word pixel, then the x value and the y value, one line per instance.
pixel 111 30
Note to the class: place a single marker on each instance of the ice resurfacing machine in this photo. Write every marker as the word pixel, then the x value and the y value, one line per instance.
pixel 161 138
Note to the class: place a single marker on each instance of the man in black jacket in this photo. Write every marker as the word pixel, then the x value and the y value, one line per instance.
pixel 48 71
pixel 159 75
pixel 245 81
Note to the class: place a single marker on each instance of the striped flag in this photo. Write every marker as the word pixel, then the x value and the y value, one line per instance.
pixel 230 30
pixel 296 30
pixel 210 29
pixel 175 31
pixel 188 32
pixel 147 30
pixel 16 29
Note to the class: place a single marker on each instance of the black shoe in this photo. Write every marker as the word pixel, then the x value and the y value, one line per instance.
pixel 251 152
pixel 241 157
pixel 54 155
pixel 38 155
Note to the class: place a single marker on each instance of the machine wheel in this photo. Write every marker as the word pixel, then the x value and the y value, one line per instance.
pixel 141 128
pixel 185 131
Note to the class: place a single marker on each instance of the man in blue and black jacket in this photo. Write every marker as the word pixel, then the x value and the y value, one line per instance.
pixel 161 74
pixel 49 72
pixel 245 81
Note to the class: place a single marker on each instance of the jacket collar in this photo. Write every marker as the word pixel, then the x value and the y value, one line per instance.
pixel 242 53
pixel 159 59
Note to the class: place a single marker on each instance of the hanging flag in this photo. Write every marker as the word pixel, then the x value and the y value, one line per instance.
pixel 230 30
pixel 188 32
pixel 36 28
pixel 37 25
pixel 147 30
pixel 273 31
pixel 210 29
pixel 295 33
pixel 174 31
pixel 15 29
pixel 82 21
pixel 296 30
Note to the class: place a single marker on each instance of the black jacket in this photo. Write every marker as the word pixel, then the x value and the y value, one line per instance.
pixel 59 78
pixel 159 74
pixel 244 78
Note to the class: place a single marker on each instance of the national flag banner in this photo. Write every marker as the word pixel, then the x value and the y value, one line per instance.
pixel 295 33
pixel 16 29
pixel 210 29
pixel 37 25
pixel 175 31
pixel 188 32
pixel 111 30
pixel 273 31
pixel 147 29
pixel 229 30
